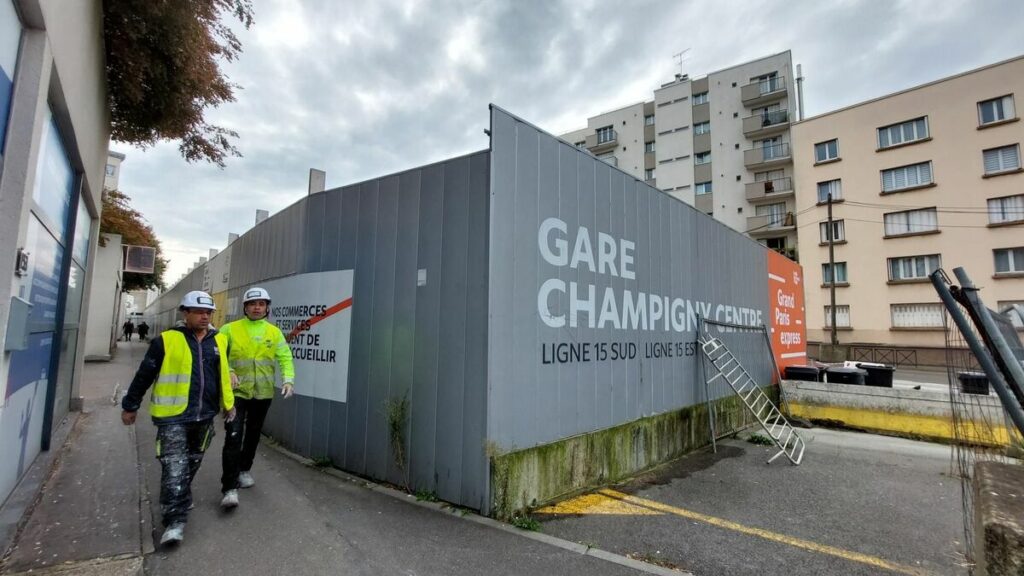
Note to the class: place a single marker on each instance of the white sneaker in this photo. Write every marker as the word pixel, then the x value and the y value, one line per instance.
pixel 174 534
pixel 230 499
pixel 245 480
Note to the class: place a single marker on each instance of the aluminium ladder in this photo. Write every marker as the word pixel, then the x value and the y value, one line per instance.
pixel 768 415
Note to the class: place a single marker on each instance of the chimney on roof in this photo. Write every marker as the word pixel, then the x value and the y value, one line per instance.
pixel 262 215
pixel 317 181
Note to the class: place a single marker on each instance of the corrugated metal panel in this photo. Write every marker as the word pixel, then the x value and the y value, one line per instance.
pixel 679 254
pixel 423 338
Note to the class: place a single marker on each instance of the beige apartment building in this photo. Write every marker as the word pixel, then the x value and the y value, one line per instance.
pixel 720 143
pixel 924 178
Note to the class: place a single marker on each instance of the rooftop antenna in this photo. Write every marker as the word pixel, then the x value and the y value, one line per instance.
pixel 680 57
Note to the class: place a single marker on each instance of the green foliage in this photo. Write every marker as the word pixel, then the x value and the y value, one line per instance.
pixel 426 496
pixel 118 217
pixel 396 410
pixel 163 72
pixel 526 522
pixel 760 439
pixel 322 462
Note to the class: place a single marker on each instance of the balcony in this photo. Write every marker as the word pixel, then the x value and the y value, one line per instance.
pixel 767 156
pixel 762 92
pixel 771 224
pixel 766 123
pixel 602 141
pixel 769 190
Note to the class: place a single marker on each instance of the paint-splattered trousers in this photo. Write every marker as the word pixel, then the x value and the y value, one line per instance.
pixel 241 437
pixel 180 449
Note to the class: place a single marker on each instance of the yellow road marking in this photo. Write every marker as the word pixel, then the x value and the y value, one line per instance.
pixel 766 534
pixel 595 503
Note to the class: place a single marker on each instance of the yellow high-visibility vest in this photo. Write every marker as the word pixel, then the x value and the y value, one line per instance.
pixel 257 348
pixel 170 393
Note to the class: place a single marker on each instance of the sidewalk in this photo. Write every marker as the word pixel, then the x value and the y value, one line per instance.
pixel 99 514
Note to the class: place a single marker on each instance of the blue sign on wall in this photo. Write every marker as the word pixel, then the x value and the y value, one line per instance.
pixel 30 365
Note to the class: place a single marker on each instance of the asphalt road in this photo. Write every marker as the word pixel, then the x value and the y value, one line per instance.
pixel 858 504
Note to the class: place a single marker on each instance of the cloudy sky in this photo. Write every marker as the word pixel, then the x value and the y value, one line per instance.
pixel 363 89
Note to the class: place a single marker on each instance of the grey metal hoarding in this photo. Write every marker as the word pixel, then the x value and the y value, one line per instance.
pixel 514 296
pixel 596 282
pixel 416 246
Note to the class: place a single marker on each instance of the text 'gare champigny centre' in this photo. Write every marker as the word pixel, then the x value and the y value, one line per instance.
pixel 529 304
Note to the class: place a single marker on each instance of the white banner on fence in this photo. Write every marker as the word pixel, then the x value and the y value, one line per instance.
pixel 314 311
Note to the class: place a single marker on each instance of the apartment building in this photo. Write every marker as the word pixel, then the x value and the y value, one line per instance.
pixel 720 143
pixel 924 178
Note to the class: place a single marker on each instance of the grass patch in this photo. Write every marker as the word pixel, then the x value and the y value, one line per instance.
pixel 322 462
pixel 760 440
pixel 426 496
pixel 525 522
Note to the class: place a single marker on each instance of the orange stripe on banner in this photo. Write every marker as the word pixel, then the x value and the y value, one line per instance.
pixel 313 320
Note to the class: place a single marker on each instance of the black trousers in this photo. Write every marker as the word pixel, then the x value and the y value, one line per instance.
pixel 242 436
pixel 180 449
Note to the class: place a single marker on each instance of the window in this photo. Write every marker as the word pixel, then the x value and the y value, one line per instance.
pixel 606 134
pixel 1008 209
pixel 917 315
pixel 832 186
pixel 649 146
pixel 769 83
pixel 772 148
pixel 700 98
pixel 649 174
pixel 777 244
pixel 649 120
pixel 913 267
pixel 826 273
pixel 1009 260
pixel 909 131
pixel 911 176
pixel 825 151
pixel 995 110
pixel 838 231
pixel 582 144
pixel 702 128
pixel 842 316
pixel 776 214
pixel 911 222
pixel 702 188
pixel 110 169
pixel 1002 159
pixel 702 158
pixel 609 158
pixel 1014 310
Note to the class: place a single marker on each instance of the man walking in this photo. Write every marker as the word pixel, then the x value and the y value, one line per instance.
pixel 188 364
pixel 143 330
pixel 255 347
pixel 128 328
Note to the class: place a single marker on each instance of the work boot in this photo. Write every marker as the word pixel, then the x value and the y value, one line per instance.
pixel 174 534
pixel 230 499
pixel 245 480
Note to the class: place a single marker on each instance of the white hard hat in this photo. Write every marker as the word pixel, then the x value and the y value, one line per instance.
pixel 197 299
pixel 255 293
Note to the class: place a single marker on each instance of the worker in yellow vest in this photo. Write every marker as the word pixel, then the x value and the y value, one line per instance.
pixel 255 348
pixel 192 384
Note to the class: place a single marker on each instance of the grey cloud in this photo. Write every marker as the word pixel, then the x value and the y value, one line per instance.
pixel 364 89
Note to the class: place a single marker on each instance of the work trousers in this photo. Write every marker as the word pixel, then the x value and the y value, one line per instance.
pixel 242 436
pixel 180 449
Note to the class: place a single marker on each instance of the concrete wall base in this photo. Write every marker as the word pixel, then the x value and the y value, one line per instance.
pixel 916 414
pixel 533 477
pixel 998 519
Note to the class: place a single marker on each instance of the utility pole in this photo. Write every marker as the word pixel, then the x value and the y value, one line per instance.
pixel 832 272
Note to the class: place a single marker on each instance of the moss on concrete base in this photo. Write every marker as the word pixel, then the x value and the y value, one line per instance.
pixel 536 476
